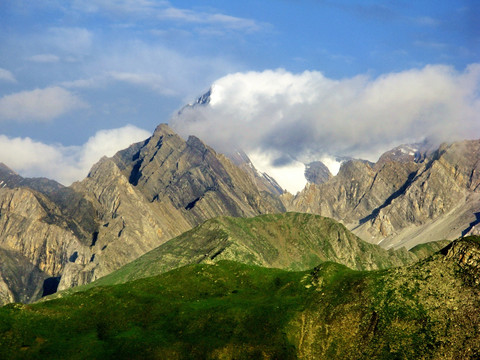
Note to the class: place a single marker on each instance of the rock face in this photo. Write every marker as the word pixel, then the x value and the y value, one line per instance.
pixel 405 198
pixel 37 235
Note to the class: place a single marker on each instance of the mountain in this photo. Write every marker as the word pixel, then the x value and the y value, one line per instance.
pixel 290 241
pixel 128 204
pixel 155 190
pixel 227 310
pixel 262 180
pixel 408 197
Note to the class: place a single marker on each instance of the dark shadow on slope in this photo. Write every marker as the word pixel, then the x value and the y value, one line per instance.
pixel 50 285
pixel 472 224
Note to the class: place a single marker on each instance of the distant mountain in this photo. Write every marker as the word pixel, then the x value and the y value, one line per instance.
pixel 317 172
pixel 290 241
pixel 408 197
pixel 263 181
pixel 157 189
pixel 429 310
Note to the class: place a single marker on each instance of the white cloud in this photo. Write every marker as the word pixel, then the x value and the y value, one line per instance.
pixel 6 75
pixel 289 176
pixel 308 116
pixel 44 58
pixel 65 164
pixel 39 104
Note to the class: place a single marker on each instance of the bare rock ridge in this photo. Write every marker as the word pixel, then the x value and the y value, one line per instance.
pixel 406 198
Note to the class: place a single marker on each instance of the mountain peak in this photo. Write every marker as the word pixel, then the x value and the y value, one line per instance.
pixel 164 129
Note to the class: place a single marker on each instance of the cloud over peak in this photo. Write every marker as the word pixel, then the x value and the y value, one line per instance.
pixel 308 115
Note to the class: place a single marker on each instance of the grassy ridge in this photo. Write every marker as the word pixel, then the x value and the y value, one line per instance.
pixel 428 310
pixel 292 241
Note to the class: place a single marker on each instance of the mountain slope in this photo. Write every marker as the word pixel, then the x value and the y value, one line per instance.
pixel 290 241
pixel 228 310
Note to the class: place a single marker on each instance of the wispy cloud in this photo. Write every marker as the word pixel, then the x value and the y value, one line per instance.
pixel 44 58
pixel 165 11
pixel 39 104
pixel 65 163
pixel 76 41
pixel 6 75
pixel 431 44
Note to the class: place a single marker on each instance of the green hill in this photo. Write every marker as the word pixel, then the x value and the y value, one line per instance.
pixel 428 310
pixel 291 241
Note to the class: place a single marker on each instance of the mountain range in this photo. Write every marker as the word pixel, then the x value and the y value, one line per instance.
pixel 157 189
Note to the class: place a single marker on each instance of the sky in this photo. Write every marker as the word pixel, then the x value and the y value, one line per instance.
pixel 292 81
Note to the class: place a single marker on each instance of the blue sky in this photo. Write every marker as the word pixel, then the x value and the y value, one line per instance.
pixel 74 72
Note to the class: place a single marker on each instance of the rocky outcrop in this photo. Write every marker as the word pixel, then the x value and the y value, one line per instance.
pixel 466 253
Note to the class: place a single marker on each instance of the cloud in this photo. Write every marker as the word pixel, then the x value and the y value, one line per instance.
pixel 163 10
pixel 39 104
pixel 308 116
pixel 44 58
pixel 6 75
pixel 65 164
pixel 222 20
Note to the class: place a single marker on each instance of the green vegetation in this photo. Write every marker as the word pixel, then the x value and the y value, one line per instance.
pixel 191 312
pixel 291 241
pixel 228 310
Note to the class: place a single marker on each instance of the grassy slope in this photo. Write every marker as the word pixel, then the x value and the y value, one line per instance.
pixel 229 310
pixel 290 241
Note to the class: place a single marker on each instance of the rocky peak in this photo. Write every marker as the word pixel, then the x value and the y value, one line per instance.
pixel 317 172
pixel 162 130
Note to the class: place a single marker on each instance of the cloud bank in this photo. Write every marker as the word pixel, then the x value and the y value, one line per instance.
pixel 305 116
pixel 65 163
pixel 39 104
